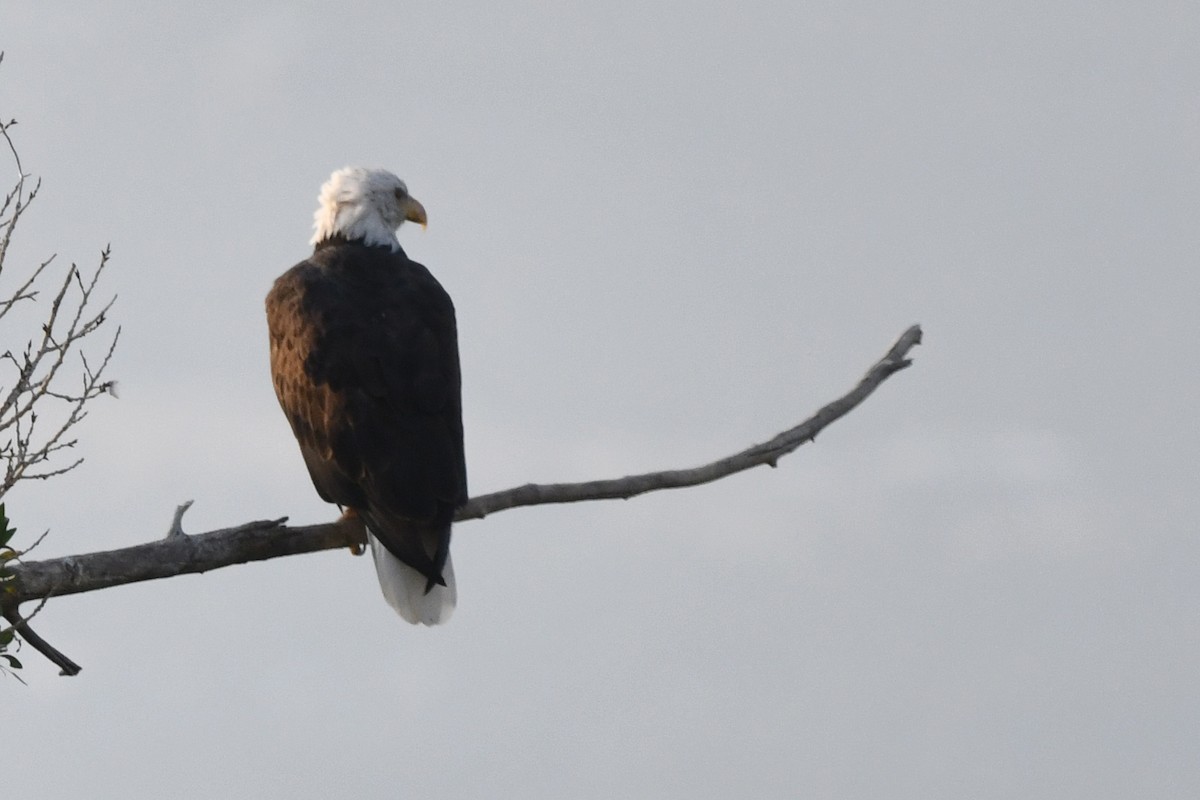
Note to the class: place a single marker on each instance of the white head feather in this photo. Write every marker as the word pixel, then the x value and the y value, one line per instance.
pixel 364 204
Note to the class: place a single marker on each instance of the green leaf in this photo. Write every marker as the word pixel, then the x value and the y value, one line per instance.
pixel 6 637
pixel 13 661
pixel 6 533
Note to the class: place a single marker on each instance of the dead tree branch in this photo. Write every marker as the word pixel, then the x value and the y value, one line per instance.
pixel 179 554
pixel 766 453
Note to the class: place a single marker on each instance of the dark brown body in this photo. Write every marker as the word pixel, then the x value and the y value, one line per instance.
pixel 364 357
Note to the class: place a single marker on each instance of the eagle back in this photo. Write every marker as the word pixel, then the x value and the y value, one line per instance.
pixel 364 358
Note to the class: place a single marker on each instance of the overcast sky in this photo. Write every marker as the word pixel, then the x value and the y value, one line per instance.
pixel 671 230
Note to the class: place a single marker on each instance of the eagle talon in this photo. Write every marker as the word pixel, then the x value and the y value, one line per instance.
pixel 351 518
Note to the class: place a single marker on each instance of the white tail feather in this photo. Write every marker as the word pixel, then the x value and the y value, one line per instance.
pixel 404 588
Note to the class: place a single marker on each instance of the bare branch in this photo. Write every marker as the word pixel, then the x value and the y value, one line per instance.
pixel 180 554
pixel 766 453
pixel 21 624
pixel 171 556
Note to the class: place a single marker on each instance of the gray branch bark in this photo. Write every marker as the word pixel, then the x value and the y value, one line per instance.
pixel 258 541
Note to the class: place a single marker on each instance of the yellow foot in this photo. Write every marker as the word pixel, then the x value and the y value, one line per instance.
pixel 351 518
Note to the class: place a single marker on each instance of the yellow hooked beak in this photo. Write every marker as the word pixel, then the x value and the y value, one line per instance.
pixel 414 211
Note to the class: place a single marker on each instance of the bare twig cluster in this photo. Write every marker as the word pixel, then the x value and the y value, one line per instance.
pixel 40 403
pixel 38 407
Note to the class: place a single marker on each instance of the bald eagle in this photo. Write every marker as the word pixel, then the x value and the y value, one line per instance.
pixel 364 358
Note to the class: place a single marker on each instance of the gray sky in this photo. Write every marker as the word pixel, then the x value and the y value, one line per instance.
pixel 670 230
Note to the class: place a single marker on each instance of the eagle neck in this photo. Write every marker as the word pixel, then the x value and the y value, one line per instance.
pixel 338 240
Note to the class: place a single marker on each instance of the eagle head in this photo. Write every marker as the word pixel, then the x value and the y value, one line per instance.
pixel 366 205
